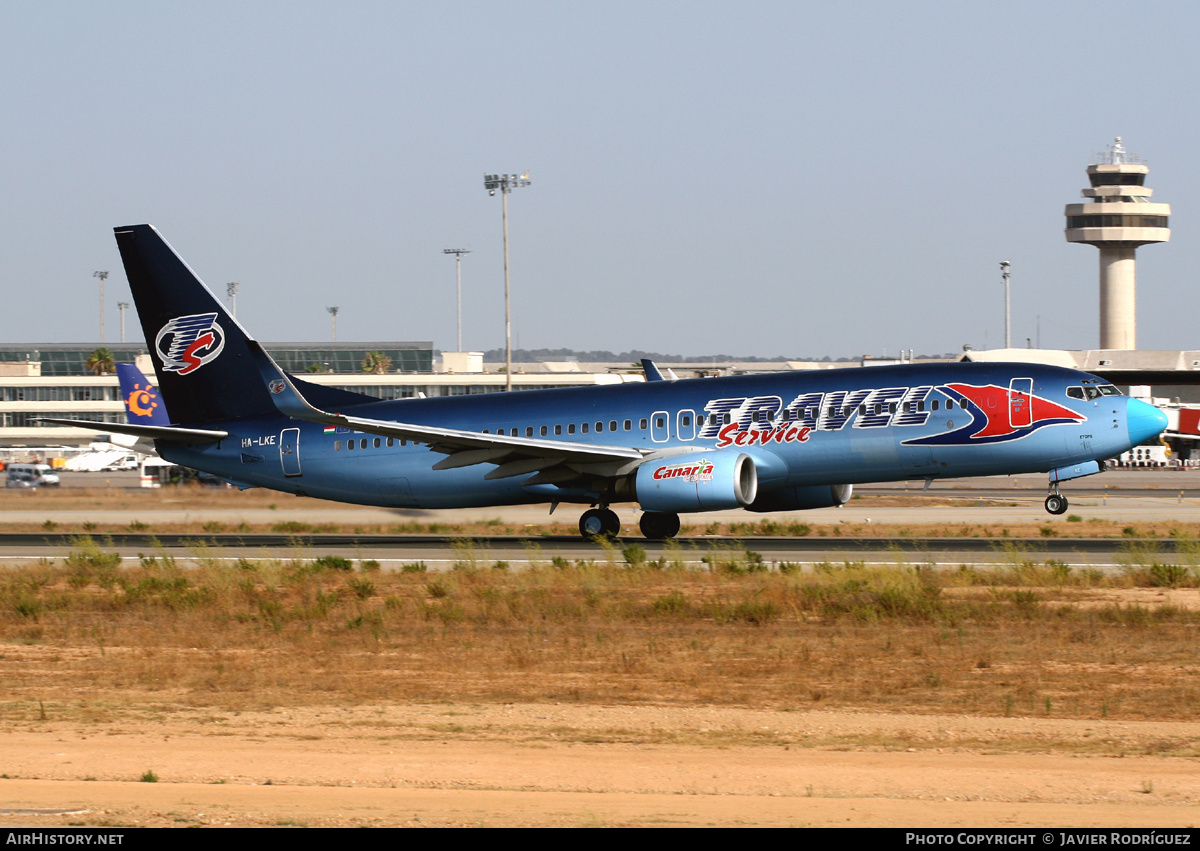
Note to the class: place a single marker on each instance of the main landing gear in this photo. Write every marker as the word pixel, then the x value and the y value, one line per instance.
pixel 604 523
pixel 599 523
pixel 1056 503
pixel 659 525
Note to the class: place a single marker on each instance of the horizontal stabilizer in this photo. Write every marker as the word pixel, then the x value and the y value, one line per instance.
pixel 169 434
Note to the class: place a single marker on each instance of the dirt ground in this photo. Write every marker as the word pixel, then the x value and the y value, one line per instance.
pixel 568 765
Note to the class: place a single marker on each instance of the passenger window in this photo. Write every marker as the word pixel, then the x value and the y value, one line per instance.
pixel 584 428
pixel 658 422
pixel 377 443
pixel 558 429
pixel 529 431
pixel 642 423
pixel 337 446
pixel 628 425
pixel 349 445
pixel 934 405
pixel 514 433
pixel 891 407
pixel 391 441
pixel 542 431
pixel 570 428
pixel 612 425
pixel 687 421
pixel 599 427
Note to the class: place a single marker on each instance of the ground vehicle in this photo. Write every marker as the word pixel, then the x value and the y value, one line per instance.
pixel 37 475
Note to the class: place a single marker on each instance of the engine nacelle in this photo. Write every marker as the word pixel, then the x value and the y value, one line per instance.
pixel 697 481
pixel 800 499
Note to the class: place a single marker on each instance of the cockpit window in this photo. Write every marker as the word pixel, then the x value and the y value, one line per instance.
pixel 1092 391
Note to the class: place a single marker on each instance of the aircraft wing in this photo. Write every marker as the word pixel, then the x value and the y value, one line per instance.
pixel 170 434
pixel 514 456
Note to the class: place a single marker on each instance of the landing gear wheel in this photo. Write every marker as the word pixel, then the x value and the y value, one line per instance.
pixel 1056 503
pixel 659 525
pixel 599 523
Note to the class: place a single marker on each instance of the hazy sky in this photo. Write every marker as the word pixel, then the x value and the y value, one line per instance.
pixel 754 178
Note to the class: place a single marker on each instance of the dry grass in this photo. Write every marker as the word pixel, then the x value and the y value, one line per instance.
pixel 1018 639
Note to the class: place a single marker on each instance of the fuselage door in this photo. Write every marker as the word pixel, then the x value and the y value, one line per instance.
pixel 289 451
pixel 1020 403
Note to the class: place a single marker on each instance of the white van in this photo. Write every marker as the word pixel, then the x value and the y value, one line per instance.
pixel 31 475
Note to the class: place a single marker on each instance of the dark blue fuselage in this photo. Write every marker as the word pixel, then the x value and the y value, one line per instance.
pixel 823 427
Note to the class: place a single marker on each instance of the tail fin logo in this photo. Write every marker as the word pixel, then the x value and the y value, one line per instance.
pixel 142 402
pixel 187 343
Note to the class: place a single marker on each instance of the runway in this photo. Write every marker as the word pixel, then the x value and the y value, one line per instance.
pixel 1124 496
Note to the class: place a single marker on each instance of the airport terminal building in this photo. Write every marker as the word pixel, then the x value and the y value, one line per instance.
pixel 54 380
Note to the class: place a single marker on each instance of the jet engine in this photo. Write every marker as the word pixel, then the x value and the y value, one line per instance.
pixel 799 499
pixel 697 481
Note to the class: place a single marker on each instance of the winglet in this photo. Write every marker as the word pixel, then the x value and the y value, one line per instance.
pixel 651 370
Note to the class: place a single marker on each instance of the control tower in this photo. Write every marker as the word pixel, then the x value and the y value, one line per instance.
pixel 1117 218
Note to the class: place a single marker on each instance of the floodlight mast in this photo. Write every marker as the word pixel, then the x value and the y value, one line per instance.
pixel 102 276
pixel 231 290
pixel 1004 272
pixel 505 183
pixel 333 312
pixel 458 253
pixel 121 306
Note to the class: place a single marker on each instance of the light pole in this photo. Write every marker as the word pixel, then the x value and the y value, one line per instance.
pixel 505 183
pixel 333 312
pixel 458 253
pixel 231 289
pixel 121 305
pixel 101 276
pixel 1004 266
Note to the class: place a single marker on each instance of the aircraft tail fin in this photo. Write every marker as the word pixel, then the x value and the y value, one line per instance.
pixel 200 353
pixel 143 405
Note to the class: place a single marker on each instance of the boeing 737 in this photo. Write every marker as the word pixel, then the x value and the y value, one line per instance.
pixel 768 442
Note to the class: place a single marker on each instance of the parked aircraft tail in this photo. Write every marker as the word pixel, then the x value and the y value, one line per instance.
pixel 143 404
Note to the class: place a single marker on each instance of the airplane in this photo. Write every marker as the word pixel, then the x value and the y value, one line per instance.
pixel 766 442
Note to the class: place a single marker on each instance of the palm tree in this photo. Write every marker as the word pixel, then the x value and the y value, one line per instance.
pixel 101 362
pixel 376 363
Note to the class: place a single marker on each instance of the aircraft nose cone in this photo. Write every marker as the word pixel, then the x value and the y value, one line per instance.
pixel 1144 421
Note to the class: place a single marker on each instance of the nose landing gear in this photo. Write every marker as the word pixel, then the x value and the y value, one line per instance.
pixel 1056 503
